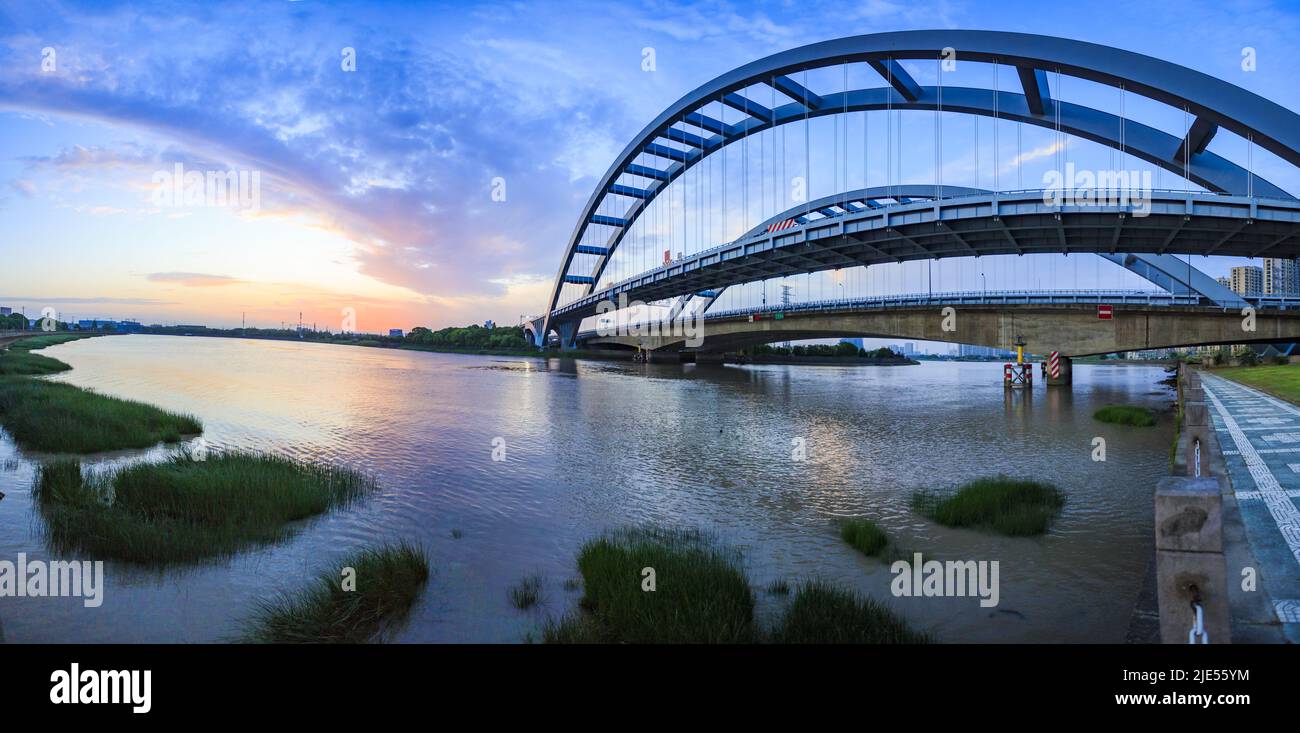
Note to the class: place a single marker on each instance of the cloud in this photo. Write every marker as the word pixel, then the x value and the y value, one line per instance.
pixel 60 299
pixel 192 279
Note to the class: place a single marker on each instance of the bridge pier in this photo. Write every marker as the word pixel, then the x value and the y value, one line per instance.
pixel 568 335
pixel 1065 372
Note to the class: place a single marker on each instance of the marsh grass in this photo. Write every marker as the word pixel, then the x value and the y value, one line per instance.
pixel 821 613
pixel 703 596
pixel 864 535
pixel 388 582
pixel 54 417
pixel 1126 415
pixel 186 509
pixel 1013 507
pixel 779 587
pixel 527 592
pixel 17 360
pixel 701 593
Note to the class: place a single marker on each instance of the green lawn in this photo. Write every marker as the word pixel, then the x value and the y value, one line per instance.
pixel 1280 381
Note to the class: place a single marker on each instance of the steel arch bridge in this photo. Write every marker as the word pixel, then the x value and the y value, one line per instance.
pixel 1238 212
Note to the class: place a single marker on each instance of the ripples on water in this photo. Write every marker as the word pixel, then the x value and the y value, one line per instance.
pixel 593 445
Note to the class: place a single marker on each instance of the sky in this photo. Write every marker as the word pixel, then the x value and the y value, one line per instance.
pixel 437 180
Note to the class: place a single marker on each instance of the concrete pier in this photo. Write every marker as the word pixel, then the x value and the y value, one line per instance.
pixel 1066 366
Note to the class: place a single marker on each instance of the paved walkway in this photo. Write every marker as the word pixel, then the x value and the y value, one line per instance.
pixel 1260 438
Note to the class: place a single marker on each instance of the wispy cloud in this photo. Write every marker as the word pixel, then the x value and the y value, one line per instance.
pixel 192 279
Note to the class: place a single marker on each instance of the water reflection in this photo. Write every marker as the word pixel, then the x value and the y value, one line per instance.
pixel 592 445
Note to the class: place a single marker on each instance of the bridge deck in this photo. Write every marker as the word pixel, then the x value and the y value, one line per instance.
pixel 973 225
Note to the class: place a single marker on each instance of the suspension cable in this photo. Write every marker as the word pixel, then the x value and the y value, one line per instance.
pixel 938 134
pixel 997 122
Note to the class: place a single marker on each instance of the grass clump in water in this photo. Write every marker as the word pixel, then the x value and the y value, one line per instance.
pixel 387 582
pixel 701 593
pixel 1126 415
pixel 54 417
pixel 1013 507
pixel 864 535
pixel 186 509
pixel 527 593
pixel 821 613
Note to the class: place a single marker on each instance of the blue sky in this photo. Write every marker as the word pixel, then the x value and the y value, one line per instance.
pixel 376 184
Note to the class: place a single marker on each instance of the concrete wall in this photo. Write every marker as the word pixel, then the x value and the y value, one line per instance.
pixel 1071 330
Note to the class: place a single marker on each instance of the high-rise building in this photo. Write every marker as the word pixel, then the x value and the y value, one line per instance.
pixel 1225 282
pixel 1281 277
pixel 1247 280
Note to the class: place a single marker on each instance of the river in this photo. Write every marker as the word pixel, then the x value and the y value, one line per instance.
pixel 595 445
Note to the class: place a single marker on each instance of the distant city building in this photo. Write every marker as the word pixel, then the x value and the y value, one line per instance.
pixel 1281 277
pixel 126 325
pixel 489 324
pixel 855 342
pixel 1225 282
pixel 5 311
pixel 1247 280
pixel 983 352
pixel 397 332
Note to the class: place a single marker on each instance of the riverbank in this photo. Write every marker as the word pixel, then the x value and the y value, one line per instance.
pixel 391 344
pixel 826 360
pixel 16 359
pixel 53 417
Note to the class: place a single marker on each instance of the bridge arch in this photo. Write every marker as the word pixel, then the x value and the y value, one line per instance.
pixel 1213 102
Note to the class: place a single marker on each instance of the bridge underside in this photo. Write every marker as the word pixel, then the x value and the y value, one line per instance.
pixel 1071 330
pixel 972 226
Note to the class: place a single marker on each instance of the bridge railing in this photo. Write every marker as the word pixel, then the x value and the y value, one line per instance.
pixel 991 297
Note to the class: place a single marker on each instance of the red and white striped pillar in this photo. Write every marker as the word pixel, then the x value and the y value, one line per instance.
pixel 1059 369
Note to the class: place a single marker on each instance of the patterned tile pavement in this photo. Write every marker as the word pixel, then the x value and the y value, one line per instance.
pixel 1260 438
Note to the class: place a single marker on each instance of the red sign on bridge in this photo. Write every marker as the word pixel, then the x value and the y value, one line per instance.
pixel 1105 312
